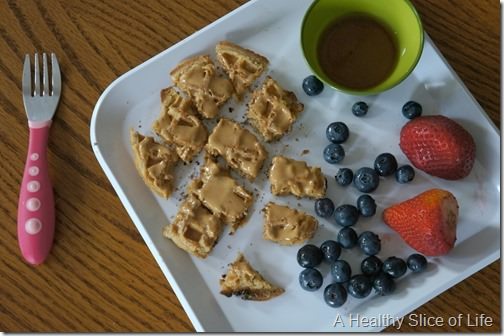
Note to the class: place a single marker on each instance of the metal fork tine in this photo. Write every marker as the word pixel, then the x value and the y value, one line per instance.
pixel 27 89
pixel 36 74
pixel 45 76
pixel 56 76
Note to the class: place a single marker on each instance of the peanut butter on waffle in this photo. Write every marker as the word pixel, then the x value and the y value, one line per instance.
pixel 221 194
pixel 198 77
pixel 287 226
pixel 244 281
pixel 154 162
pixel 242 65
pixel 194 229
pixel 239 147
pixel 178 124
pixel 288 176
pixel 272 110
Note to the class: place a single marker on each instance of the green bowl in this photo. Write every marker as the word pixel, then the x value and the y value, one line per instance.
pixel 399 15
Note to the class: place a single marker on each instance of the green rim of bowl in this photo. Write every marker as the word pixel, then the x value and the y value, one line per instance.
pixel 375 89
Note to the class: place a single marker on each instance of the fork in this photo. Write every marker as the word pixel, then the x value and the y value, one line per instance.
pixel 35 218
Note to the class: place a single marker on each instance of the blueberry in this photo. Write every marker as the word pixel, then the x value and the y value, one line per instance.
pixel 337 132
pixel 412 110
pixel 344 176
pixel 366 205
pixel 309 256
pixel 383 284
pixel 334 153
pixel 347 237
pixel 312 86
pixel 324 207
pixel 405 174
pixel 346 215
pixel 372 265
pixel 341 271
pixel 359 286
pixel 310 279
pixel 335 295
pixel 416 262
pixel 331 250
pixel 395 267
pixel 369 243
pixel 366 180
pixel 385 164
pixel 360 109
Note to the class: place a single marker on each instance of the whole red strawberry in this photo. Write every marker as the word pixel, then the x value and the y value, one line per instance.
pixel 438 146
pixel 426 222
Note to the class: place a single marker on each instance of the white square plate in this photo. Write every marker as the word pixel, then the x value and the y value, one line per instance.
pixel 272 29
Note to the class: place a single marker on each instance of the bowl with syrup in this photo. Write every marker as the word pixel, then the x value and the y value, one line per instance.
pixel 362 47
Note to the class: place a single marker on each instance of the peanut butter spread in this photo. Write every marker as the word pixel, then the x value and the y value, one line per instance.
pixel 195 229
pixel 242 65
pixel 179 125
pixel 154 162
pixel 197 76
pixel 221 194
pixel 272 110
pixel 288 176
pixel 287 226
pixel 239 147
pixel 242 280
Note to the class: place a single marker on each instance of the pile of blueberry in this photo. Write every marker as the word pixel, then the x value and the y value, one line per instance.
pixel 346 214
pixel 367 179
pixel 375 273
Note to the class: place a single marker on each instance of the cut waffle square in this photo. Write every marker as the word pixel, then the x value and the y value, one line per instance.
pixel 238 146
pixel 178 124
pixel 154 162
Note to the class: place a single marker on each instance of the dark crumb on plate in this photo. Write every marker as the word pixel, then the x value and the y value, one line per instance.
pixel 297 139
pixel 231 110
pixel 229 247
pixel 305 151
pixel 299 204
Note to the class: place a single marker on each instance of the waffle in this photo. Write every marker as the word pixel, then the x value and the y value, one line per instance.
pixel 178 124
pixel 197 77
pixel 195 229
pixel 239 147
pixel 287 226
pixel 242 65
pixel 242 280
pixel 154 162
pixel 288 176
pixel 221 194
pixel 272 110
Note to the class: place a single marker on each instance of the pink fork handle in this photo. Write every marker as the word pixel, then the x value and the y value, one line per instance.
pixel 35 221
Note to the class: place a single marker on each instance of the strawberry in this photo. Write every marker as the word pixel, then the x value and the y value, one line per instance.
pixel 426 222
pixel 438 146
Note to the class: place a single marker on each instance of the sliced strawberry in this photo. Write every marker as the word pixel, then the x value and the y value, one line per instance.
pixel 439 146
pixel 426 222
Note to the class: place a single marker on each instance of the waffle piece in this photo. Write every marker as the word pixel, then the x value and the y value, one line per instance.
pixel 272 110
pixel 287 226
pixel 288 176
pixel 197 77
pixel 242 280
pixel 195 229
pixel 221 194
pixel 178 124
pixel 242 65
pixel 154 162
pixel 239 147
